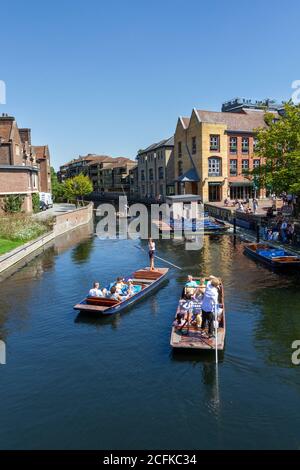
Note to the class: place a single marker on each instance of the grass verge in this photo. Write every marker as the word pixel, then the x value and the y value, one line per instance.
pixel 8 245
pixel 17 229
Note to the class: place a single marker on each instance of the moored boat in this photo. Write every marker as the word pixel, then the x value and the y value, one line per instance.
pixel 190 335
pixel 145 282
pixel 274 257
pixel 205 225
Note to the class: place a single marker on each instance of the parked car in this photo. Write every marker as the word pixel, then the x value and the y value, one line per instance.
pixel 46 198
pixel 43 206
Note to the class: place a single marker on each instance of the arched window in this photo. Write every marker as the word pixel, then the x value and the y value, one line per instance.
pixel 214 166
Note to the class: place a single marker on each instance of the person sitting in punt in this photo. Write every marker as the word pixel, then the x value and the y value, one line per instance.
pixel 120 284
pixel 113 294
pixel 179 321
pixel 96 291
pixel 210 304
pixel 190 286
pixel 130 288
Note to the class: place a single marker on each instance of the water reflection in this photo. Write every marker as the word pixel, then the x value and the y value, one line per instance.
pixel 279 323
pixel 118 359
pixel 99 321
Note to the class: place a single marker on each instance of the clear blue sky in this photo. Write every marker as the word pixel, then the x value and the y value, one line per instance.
pixel 113 76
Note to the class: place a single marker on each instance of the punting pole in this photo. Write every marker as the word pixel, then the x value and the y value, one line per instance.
pixel 216 333
pixel 158 257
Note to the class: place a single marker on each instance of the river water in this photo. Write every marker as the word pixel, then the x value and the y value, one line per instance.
pixel 73 381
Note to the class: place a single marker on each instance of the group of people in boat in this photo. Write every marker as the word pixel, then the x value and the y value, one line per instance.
pixel 120 290
pixel 199 305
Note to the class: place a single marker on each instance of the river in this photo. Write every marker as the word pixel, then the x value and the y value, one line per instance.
pixel 73 381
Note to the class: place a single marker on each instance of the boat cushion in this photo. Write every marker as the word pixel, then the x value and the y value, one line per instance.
pixel 271 253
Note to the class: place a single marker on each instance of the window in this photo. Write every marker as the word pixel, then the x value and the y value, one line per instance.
pixel 194 145
pixel 180 170
pixel 143 175
pixel 256 163
pixel 143 189
pixel 214 167
pixel 255 142
pixel 245 145
pixel 245 166
pixel 233 144
pixel 161 172
pixel 151 174
pixel 215 142
pixel 233 167
pixel 179 150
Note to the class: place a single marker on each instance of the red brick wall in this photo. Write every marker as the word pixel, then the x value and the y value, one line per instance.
pixel 4 154
pixel 14 181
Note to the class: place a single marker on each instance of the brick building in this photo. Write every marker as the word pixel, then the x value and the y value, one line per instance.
pixel 42 156
pixel 19 164
pixel 213 152
pixel 156 170
pixel 108 174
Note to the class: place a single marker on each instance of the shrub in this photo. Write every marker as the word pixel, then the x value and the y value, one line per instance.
pixel 23 227
pixel 13 203
pixel 35 202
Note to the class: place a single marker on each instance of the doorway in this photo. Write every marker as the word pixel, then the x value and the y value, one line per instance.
pixel 214 192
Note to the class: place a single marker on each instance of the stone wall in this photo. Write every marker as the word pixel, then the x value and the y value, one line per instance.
pixel 70 220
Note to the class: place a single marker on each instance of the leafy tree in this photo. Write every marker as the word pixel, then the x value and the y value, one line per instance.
pixel 58 189
pixel 279 145
pixel 78 187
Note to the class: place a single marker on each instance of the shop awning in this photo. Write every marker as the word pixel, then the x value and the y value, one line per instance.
pixel 189 176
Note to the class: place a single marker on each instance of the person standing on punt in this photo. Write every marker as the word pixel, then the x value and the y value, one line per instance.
pixel 151 246
pixel 209 304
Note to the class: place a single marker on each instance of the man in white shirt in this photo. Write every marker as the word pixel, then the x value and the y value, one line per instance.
pixel 95 291
pixel 210 304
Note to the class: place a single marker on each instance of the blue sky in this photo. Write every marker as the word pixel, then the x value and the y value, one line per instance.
pixel 112 77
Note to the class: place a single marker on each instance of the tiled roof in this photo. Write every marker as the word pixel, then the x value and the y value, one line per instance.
pixel 161 143
pixel 185 121
pixel 246 121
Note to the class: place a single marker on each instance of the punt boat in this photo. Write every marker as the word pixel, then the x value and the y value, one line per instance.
pixel 207 225
pixel 272 256
pixel 190 336
pixel 145 281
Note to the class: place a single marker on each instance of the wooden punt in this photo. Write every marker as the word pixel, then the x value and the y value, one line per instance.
pixel 192 337
pixel 208 225
pixel 272 256
pixel 149 280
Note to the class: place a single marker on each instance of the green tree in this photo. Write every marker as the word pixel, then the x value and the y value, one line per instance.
pixel 58 189
pixel 78 187
pixel 279 145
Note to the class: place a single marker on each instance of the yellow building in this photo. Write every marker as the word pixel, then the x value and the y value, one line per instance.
pixel 208 146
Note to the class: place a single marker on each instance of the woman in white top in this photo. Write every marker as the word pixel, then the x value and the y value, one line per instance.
pixel 151 246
